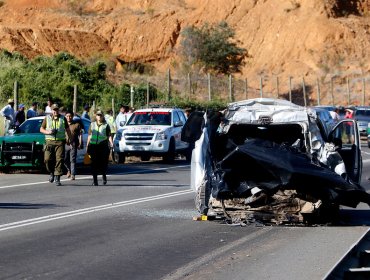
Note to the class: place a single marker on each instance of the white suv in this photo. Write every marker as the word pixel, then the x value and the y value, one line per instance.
pixel 149 132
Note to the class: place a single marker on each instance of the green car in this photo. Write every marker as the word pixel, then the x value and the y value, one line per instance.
pixel 24 148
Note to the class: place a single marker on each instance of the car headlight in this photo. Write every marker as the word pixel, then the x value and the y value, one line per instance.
pixel 161 136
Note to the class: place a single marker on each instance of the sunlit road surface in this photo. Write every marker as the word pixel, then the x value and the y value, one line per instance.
pixel 140 226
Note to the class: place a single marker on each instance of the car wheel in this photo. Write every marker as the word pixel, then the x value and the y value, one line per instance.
pixel 119 157
pixel 170 155
pixel 368 144
pixel 145 158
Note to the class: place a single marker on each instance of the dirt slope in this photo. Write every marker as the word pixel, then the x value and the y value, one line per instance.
pixel 286 37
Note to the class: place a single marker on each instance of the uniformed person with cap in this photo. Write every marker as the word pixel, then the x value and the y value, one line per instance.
pixel 98 145
pixel 54 127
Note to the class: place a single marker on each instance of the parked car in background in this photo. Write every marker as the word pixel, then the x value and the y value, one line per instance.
pixel 368 135
pixel 362 116
pixel 271 161
pixel 23 148
pixel 152 132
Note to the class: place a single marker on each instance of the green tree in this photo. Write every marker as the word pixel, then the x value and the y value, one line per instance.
pixel 212 47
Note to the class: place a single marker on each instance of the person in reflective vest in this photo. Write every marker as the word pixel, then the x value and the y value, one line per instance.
pixel 99 143
pixel 112 123
pixel 54 127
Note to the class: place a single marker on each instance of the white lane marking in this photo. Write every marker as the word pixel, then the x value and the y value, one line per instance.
pixel 366 160
pixel 89 177
pixel 83 211
pixel 366 153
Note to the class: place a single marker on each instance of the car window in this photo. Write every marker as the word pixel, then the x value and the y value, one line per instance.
pixel 30 126
pixel 150 118
pixel 176 117
pixel 182 117
pixel 363 113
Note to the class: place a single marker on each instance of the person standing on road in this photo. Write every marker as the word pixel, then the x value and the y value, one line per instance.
pixel 122 116
pixel 110 120
pixel 85 113
pixel 54 127
pixel 32 112
pixel 349 126
pixel 99 143
pixel 8 113
pixel 73 143
pixel 20 116
pixel 48 110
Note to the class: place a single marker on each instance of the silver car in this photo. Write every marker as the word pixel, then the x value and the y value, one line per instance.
pixel 272 161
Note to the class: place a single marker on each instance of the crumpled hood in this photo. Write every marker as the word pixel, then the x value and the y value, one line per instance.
pixel 271 167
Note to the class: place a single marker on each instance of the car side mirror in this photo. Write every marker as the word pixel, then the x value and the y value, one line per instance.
pixel 179 123
pixel 122 123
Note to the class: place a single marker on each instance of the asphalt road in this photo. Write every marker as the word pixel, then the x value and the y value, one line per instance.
pixel 140 226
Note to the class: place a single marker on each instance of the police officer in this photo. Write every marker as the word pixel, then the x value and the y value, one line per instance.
pixel 54 127
pixel 99 142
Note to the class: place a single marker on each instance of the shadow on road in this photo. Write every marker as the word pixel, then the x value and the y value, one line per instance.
pixel 25 206
pixel 355 217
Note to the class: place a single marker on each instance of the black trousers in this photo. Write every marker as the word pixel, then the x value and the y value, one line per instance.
pixel 99 154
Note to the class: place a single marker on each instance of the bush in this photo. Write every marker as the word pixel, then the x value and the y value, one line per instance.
pixel 212 47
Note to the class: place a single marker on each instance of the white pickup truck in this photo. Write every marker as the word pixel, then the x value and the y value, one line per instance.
pixel 152 132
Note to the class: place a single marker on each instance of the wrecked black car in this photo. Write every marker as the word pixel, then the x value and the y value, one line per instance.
pixel 271 161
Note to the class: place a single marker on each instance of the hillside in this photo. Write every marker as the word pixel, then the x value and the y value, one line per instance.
pixel 310 38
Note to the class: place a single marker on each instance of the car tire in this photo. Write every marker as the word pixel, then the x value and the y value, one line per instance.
pixel 145 158
pixel 119 157
pixel 368 144
pixel 169 157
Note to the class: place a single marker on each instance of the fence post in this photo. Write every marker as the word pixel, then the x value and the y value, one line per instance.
pixel 277 87
pixel 75 99
pixel 246 88
pixel 168 85
pixel 363 92
pixel 290 88
pixel 348 92
pixel 318 91
pixel 332 90
pixel 131 96
pixel 209 86
pixel 231 97
pixel 304 92
pixel 147 93
pixel 15 94
pixel 261 87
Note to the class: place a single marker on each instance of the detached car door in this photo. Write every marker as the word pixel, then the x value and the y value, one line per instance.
pixel 345 135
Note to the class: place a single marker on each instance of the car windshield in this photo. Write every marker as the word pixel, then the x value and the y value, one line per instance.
pixel 30 126
pixel 150 118
pixel 363 113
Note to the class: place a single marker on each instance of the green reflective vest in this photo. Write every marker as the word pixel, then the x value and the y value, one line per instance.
pixel 98 133
pixel 58 125
pixel 111 122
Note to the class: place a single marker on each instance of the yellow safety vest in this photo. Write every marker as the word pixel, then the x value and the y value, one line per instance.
pixel 57 124
pixel 98 133
pixel 111 122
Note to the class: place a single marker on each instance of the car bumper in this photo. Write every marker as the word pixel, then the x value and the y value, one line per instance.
pixel 140 148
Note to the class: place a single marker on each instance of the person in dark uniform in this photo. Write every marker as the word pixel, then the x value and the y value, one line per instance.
pixel 99 143
pixel 54 127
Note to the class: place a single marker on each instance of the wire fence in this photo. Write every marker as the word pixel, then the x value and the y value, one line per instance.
pixel 307 91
